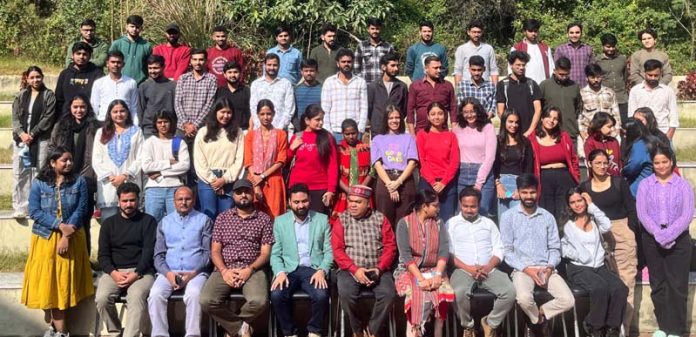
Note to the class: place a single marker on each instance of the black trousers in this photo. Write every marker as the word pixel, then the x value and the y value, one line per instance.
pixel 315 202
pixel 555 183
pixel 623 112
pixel 349 295
pixel 669 281
pixel 607 294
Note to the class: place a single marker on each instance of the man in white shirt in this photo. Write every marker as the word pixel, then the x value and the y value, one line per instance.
pixel 476 250
pixel 279 90
pixel 540 65
pixel 475 47
pixel 113 86
pixel 657 96
pixel 344 96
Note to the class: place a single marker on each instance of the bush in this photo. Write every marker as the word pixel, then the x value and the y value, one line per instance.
pixel 686 89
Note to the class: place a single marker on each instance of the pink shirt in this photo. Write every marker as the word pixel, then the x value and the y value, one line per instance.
pixel 478 148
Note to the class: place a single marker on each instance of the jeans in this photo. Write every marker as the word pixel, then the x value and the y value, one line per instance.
pixel 448 198
pixel 509 182
pixel 282 302
pixel 159 201
pixel 210 202
pixel 467 178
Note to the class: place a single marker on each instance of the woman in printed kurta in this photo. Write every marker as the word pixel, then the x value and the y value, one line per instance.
pixel 354 163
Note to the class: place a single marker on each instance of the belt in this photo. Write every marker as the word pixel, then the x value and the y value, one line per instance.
pixel 394 172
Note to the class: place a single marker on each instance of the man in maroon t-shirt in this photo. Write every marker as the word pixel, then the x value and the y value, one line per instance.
pixel 221 53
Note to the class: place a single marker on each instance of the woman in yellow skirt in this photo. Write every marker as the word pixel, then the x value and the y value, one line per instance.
pixel 57 275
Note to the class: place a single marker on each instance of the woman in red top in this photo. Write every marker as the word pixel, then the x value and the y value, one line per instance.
pixel 438 151
pixel 555 162
pixel 601 133
pixel 314 160
pixel 354 164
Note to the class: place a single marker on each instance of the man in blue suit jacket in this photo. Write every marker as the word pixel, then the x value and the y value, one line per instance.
pixel 300 259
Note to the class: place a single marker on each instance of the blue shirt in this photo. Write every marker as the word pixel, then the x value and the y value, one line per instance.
pixel 305 95
pixel 530 240
pixel 183 243
pixel 289 63
pixel 302 237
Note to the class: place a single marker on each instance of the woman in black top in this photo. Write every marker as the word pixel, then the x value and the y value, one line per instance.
pixel 613 196
pixel 514 156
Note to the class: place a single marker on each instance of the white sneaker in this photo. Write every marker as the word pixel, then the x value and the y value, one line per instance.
pixel 313 334
pixel 19 215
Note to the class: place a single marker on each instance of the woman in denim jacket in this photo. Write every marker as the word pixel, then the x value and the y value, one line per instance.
pixel 57 275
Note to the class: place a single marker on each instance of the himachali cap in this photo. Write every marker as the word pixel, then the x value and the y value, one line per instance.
pixel 172 26
pixel 361 191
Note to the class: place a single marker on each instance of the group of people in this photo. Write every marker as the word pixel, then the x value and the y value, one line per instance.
pixel 342 161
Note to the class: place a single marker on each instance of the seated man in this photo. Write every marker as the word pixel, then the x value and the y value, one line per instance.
pixel 533 248
pixel 301 258
pixel 476 251
pixel 126 245
pixel 364 248
pixel 242 239
pixel 182 259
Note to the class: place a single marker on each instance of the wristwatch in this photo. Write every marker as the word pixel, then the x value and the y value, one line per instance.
pixel 263 176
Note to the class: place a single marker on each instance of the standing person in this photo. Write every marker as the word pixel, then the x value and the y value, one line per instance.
pixel 423 93
pixel 218 155
pixel 438 150
pixel 659 97
pixel 613 196
pixel 636 153
pixel 614 67
pixel 88 35
pixel 477 86
pixel 176 55
pixel 115 86
pixel 165 159
pixel 77 78
pixel 597 98
pixel 563 93
pixel 540 60
pixel 57 274
pixel 290 57
pixel 513 156
pixel 384 92
pixel 555 162
pixel 646 116
pixel 182 260
pixel 126 245
pixel 370 50
pixel 585 224
pixel 475 47
pixel 354 164
pixel 265 154
pixel 325 53
pixel 33 115
pixel 520 93
pixel 648 38
pixel 308 91
pixel 308 147
pixel 477 147
pixel 421 276
pixel 135 49
pixel 222 53
pixel 279 90
pixel 155 95
pixel 416 54
pixel 578 52
pixel 394 157
pixel 237 93
pixel 601 136
pixel 116 156
pixel 344 96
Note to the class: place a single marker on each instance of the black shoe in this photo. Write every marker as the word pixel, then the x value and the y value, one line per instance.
pixel 613 332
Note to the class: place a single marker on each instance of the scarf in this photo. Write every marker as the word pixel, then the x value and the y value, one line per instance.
pixel 119 146
pixel 79 147
pixel 264 152
pixel 423 239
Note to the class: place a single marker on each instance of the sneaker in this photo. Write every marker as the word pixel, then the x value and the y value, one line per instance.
pixel 613 332
pixel 658 333
pixel 645 276
pixel 469 332
pixel 488 331
pixel 245 330
pixel 97 214
pixel 19 215
pixel 51 332
pixel 62 334
pixel 314 334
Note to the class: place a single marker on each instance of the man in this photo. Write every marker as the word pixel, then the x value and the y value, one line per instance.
pixel 182 259
pixel 533 249
pixel 222 53
pixel 235 92
pixel 344 96
pixel 476 251
pixel 519 93
pixel 364 248
pixel 155 94
pixel 88 35
pixel 386 91
pixel 648 38
pixel 416 54
pixel 325 53
pixel 477 86
pixel 77 78
pixel 242 239
pixel 657 96
pixel 369 52
pixel 301 259
pixel 475 47
pixel 278 90
pixel 540 64
pixel 114 85
pixel 613 66
pixel 135 49
pixel 290 57
pixel 579 53
pixel 595 98
pixel 308 91
pixel 176 55
pixel 563 93
pixel 193 97
pixel 126 245
pixel 430 89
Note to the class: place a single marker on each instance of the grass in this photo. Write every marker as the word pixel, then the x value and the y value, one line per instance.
pixel 686 154
pixel 687 122
pixel 5 202
pixel 6 155
pixel 10 65
pixel 5 121
pixel 12 260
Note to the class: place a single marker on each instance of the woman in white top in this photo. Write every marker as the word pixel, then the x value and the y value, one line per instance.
pixel 218 155
pixel 582 246
pixel 116 156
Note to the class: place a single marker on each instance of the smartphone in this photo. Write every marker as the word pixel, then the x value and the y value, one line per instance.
pixel 372 275
pixel 178 280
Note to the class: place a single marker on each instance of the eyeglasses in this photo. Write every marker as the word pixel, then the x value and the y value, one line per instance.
pixel 242 191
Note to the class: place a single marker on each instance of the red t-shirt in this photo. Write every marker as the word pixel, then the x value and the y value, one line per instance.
pixel 217 59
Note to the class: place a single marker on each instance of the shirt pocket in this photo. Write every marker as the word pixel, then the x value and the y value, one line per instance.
pixel 48 201
pixel 70 198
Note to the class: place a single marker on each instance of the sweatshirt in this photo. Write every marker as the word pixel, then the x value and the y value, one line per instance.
pixel 438 153
pixel 176 59
pixel 128 243
pixel 136 54
pixel 217 59
pixel 73 81
pixel 154 96
pixel 415 57
pixel 306 168
pixel 100 49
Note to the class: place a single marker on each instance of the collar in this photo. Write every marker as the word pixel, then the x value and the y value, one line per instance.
pixel 645 86
pixel 364 217
pixel 307 219
pixel 520 80
pixel 520 210
pixel 473 45
pixel 473 84
pixel 235 212
pixel 476 221
pixel 303 82
pixel 580 45
pixel 605 57
pixel 277 49
pixel 437 81
pixel 369 42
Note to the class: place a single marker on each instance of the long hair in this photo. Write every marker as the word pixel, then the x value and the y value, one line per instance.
pixel 519 138
pixel 89 113
pixel 598 121
pixel 24 82
pixel 441 107
pixel 481 116
pixel 568 214
pixel 265 103
pixel 635 131
pixel 385 121
pixel 214 126
pixel 47 174
pixel 323 136
pixel 554 133
pixel 109 128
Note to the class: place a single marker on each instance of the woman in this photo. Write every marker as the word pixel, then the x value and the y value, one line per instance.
pixel 646 116
pixel 665 206
pixel 218 155
pixel 116 156
pixel 555 162
pixel 601 136
pixel 636 153
pixel 354 164
pixel 584 225
pixel 265 154
pixel 514 156
pixel 394 157
pixel 314 160
pixel 33 114
pixel 420 277
pixel 439 158
pixel 477 147
pixel 57 275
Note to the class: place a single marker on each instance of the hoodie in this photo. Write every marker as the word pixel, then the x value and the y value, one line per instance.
pixel 136 54
pixel 73 81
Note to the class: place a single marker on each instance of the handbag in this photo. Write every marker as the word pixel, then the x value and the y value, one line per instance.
pixel 609 258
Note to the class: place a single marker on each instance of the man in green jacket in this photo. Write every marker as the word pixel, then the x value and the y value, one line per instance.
pixel 135 49
pixel 88 34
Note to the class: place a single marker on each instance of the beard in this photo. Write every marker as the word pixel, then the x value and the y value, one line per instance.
pixel 301 211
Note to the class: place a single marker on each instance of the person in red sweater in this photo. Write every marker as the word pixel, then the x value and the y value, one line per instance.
pixel 221 53
pixel 314 160
pixel 176 55
pixel 438 151
pixel 601 136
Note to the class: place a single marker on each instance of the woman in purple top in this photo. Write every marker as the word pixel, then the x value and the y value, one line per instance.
pixel 665 204
pixel 394 157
